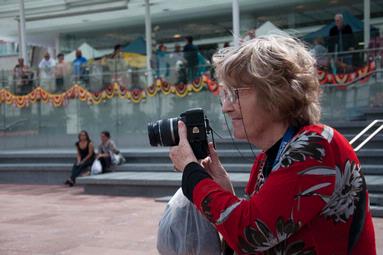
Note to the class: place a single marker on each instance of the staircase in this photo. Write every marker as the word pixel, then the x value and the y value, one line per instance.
pixel 149 172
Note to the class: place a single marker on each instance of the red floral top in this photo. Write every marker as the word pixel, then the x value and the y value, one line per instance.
pixel 313 202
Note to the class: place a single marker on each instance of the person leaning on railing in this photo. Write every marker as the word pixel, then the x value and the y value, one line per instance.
pixel 61 72
pixel 306 193
pixel 47 73
pixel 23 77
pixel 79 68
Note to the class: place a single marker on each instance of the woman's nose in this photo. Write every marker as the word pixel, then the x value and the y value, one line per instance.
pixel 227 106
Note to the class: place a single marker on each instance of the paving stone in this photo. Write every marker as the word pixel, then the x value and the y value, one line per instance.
pixel 46 219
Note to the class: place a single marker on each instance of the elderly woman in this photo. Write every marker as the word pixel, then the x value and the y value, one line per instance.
pixel 306 193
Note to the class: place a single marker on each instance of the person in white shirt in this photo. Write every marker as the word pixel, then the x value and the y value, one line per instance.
pixel 47 72
pixel 177 64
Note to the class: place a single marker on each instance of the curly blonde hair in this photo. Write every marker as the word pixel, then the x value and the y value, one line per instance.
pixel 282 71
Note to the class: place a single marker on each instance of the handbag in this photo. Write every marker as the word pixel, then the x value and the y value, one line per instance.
pixel 117 159
pixel 96 167
pixel 184 231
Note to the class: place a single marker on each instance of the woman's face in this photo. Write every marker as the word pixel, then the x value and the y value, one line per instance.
pixel 82 136
pixel 247 115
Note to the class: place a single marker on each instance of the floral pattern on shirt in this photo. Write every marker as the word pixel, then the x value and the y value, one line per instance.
pixel 206 208
pixel 348 183
pixel 304 146
pixel 343 201
pixel 260 238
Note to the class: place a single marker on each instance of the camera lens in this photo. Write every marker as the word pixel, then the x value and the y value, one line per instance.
pixel 164 132
pixel 153 133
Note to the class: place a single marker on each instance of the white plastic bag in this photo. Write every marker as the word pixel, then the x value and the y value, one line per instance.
pixel 117 159
pixel 184 231
pixel 96 167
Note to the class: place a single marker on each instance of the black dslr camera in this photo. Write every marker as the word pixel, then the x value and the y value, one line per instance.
pixel 165 132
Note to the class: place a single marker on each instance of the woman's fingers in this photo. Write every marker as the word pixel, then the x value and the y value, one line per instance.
pixel 213 152
pixel 207 164
pixel 182 132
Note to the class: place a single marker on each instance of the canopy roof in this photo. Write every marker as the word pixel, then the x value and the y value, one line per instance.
pixel 87 51
pixel 137 46
pixel 268 28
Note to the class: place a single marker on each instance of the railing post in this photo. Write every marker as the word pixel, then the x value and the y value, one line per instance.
pixel 378 64
pixel 2 80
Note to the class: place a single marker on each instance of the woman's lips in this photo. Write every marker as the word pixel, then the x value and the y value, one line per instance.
pixel 236 121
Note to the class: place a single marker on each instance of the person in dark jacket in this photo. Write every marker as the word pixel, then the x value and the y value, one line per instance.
pixel 341 36
pixel 341 39
pixel 191 57
pixel 85 157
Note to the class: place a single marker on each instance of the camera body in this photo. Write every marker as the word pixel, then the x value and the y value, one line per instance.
pixel 165 132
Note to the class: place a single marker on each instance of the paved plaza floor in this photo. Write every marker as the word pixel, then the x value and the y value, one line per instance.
pixel 49 220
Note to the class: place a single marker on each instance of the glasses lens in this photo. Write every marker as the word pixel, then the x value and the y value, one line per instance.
pixel 226 93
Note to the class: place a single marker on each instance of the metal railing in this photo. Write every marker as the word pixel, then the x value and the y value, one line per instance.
pixel 364 131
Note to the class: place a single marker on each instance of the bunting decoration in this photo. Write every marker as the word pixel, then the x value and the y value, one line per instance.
pixel 114 90
pixel 362 74
pixel 137 95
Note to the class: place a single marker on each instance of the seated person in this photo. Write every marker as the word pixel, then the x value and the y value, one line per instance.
pixel 105 151
pixel 85 157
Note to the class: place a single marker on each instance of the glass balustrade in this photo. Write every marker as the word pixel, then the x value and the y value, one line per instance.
pixel 109 94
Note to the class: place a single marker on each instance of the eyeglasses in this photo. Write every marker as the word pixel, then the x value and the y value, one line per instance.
pixel 231 94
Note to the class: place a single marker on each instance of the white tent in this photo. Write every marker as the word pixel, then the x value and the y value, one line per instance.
pixel 268 28
pixel 87 52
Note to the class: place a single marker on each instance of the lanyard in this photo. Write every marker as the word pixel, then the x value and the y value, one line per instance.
pixel 285 140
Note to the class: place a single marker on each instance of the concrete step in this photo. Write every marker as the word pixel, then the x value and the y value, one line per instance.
pixel 165 167
pixel 377 211
pixel 374 143
pixel 127 167
pixel 370 156
pixel 21 167
pixel 348 127
pixel 34 174
pixel 376 199
pixel 144 184
pixel 373 114
pixel 152 184
pixel 376 169
pixel 368 170
pixel 140 155
pixel 374 183
pixel 229 153
pixel 38 156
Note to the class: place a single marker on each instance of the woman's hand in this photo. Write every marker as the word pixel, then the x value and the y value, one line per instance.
pixel 215 169
pixel 182 154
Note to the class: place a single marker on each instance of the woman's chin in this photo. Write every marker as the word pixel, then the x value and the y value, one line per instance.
pixel 239 134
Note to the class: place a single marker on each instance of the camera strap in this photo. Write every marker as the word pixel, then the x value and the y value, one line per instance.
pixel 285 140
